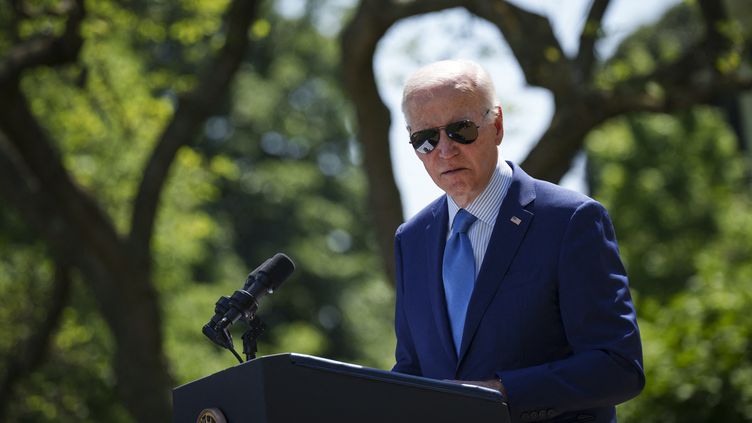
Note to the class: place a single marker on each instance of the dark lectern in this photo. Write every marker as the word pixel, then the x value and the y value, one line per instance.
pixel 301 388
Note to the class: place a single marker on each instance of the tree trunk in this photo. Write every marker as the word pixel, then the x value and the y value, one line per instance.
pixel 117 270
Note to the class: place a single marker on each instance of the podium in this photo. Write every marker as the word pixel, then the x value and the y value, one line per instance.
pixel 301 388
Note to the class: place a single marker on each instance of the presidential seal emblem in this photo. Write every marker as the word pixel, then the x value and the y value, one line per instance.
pixel 211 415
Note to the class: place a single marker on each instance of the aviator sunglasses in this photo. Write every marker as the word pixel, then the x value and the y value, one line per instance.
pixel 463 132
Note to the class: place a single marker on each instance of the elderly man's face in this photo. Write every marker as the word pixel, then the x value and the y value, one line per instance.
pixel 461 170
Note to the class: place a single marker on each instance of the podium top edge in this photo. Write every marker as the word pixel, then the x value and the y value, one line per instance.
pixel 356 370
pixel 420 382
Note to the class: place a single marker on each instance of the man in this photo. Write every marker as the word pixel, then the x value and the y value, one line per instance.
pixel 508 281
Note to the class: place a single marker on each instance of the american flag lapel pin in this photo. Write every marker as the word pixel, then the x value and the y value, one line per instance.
pixel 516 220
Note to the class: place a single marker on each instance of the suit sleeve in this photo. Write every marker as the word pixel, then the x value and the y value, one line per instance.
pixel 407 359
pixel 605 366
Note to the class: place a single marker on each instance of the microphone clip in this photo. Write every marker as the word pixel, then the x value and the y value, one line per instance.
pixel 240 306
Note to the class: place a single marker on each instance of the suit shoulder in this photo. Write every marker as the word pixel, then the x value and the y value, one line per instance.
pixel 424 217
pixel 553 196
pixel 546 196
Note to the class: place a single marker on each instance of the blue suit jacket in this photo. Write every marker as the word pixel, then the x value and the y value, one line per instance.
pixel 550 314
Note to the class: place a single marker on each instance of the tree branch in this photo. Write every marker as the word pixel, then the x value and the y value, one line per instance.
pixel 19 187
pixel 71 204
pixel 123 290
pixel 591 32
pixel 33 177
pixel 192 110
pixel 714 15
pixel 47 206
pixel 533 43
pixel 35 154
pixel 48 51
pixel 581 105
pixel 691 80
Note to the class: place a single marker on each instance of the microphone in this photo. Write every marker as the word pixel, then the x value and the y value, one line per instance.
pixel 266 278
pixel 263 280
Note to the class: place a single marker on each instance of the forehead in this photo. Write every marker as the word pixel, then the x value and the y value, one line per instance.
pixel 431 111
pixel 436 106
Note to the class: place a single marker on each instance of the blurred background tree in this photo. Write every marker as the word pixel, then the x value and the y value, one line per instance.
pixel 678 191
pixel 678 188
pixel 153 152
pixel 89 126
pixel 273 168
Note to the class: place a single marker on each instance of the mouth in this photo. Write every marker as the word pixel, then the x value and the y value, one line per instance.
pixel 452 171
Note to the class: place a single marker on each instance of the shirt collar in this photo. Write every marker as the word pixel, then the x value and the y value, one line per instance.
pixel 486 206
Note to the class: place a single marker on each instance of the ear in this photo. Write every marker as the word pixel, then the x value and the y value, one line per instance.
pixel 499 123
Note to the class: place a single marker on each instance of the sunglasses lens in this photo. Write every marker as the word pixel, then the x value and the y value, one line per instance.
pixel 463 132
pixel 425 141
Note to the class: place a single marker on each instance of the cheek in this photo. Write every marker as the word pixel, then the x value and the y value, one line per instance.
pixel 426 160
pixel 486 157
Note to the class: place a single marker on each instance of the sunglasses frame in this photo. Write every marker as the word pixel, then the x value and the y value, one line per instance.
pixel 452 134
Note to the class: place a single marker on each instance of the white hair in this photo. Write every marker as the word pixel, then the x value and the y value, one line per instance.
pixel 466 76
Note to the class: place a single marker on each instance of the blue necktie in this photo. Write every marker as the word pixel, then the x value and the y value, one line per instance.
pixel 459 273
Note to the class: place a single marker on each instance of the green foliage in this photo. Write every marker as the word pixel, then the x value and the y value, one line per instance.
pixel 676 188
pixel 281 175
pixel 665 42
pixel 698 346
pixel 672 37
pixel 675 33
pixel 106 127
pixel 296 187
pixel 664 178
pixel 75 382
pixel 22 273
pixel 274 171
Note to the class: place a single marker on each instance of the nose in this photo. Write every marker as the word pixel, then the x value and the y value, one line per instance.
pixel 446 147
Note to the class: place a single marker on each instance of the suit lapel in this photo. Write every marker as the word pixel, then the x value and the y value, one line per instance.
pixel 509 231
pixel 436 237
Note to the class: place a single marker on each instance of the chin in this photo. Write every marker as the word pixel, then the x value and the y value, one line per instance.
pixel 456 193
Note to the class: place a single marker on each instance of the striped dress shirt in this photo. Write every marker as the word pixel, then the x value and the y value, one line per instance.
pixel 486 208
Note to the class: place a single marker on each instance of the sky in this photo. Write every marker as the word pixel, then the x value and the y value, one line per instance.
pixel 455 33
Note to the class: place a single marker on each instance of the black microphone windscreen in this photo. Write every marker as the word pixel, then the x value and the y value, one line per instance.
pixel 277 269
